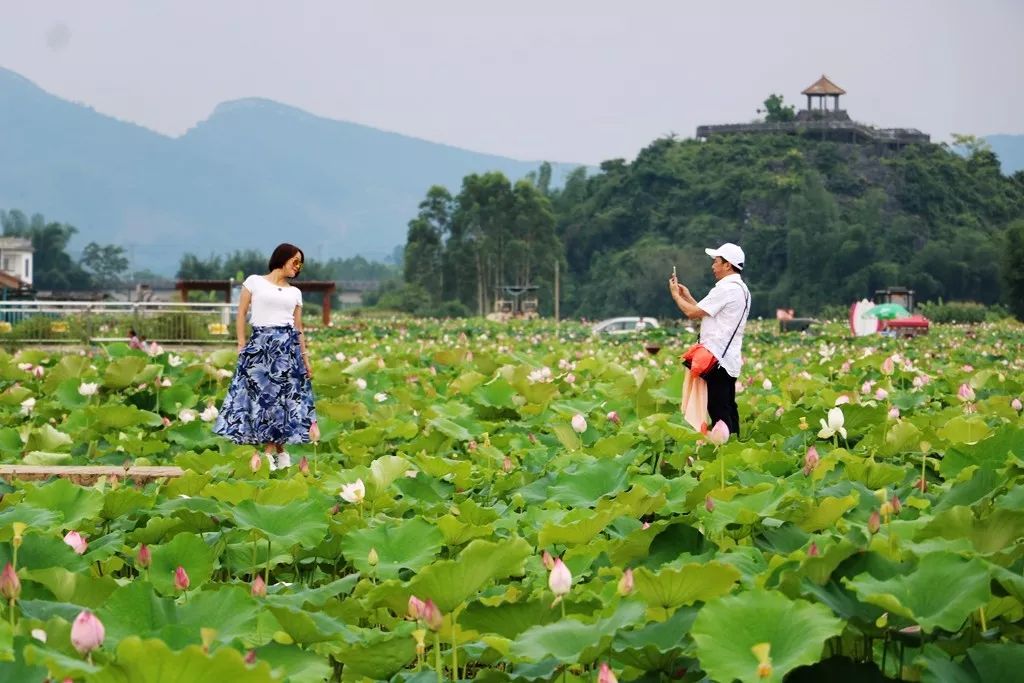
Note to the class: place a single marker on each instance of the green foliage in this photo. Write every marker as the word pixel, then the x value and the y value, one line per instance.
pixel 776 111
pixel 956 312
pixel 1012 268
pixel 52 267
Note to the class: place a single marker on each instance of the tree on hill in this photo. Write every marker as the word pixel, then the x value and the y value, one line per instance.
pixel 53 268
pixel 776 111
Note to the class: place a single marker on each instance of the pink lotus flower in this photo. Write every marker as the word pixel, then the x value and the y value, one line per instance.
pixel 10 585
pixel 560 578
pixel 866 387
pixel 966 393
pixel 255 462
pixel 881 394
pixel 719 434
pixel 431 616
pixel 547 560
pixel 416 607
pixel 304 465
pixel 613 417
pixel 874 522
pixel 626 583
pixel 579 423
pixel 888 365
pixel 811 460
pixel 38 371
pixel 144 558
pixel 259 587
pixel 87 632
pixel 606 675
pixel 76 541
pixel 314 432
pixel 1016 405
pixel 181 580
pixel 894 413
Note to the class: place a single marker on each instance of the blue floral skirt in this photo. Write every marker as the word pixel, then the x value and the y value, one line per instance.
pixel 270 399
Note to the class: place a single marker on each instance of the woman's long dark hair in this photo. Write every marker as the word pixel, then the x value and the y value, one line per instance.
pixel 282 254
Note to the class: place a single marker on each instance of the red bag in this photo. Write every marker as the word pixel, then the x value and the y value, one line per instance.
pixel 700 361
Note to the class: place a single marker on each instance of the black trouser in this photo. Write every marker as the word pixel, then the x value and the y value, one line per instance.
pixel 722 400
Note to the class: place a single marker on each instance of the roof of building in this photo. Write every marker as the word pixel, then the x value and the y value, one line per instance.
pixel 823 86
pixel 20 243
pixel 9 281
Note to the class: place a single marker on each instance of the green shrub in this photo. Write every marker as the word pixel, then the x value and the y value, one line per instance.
pixel 954 311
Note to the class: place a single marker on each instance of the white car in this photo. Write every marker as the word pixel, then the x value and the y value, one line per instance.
pixel 624 325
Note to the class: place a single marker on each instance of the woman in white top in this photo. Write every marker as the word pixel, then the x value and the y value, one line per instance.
pixel 270 400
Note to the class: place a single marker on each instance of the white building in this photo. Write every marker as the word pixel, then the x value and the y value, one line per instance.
pixel 16 258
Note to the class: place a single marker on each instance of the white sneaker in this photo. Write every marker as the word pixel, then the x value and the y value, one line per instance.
pixel 284 461
pixel 270 462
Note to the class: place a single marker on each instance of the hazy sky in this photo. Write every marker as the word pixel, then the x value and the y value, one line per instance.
pixel 579 80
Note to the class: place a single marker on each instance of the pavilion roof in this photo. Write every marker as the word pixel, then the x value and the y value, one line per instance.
pixel 823 86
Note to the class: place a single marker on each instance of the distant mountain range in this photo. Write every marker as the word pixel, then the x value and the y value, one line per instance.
pixel 253 174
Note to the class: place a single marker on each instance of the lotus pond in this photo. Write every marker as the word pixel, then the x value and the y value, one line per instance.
pixel 524 503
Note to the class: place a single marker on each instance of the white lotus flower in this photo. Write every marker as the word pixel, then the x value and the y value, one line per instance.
pixel 380 397
pixel 187 415
pixel 354 492
pixel 174 361
pixel 579 423
pixel 360 383
pixel 210 414
pixel 88 388
pixel 165 382
pixel 27 405
pixel 834 424
pixel 766 384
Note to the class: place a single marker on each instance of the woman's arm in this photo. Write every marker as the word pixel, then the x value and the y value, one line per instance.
pixel 302 340
pixel 243 313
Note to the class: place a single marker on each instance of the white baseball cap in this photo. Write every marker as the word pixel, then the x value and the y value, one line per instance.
pixel 729 252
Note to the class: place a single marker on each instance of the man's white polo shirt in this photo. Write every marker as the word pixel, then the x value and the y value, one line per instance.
pixel 726 305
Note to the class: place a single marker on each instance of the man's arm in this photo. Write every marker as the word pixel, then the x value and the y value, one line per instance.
pixel 685 301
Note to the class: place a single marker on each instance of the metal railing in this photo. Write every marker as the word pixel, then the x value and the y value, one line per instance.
pixel 104 321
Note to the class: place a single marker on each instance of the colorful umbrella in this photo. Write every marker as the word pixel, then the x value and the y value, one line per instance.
pixel 887 312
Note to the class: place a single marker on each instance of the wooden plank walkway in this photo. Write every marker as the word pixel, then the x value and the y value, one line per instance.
pixel 88 474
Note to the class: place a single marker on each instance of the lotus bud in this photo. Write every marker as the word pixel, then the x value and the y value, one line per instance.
pixel 532 438
pixel 432 616
pixel 606 675
pixel 255 462
pixel 471 446
pixel 314 432
pixel 897 506
pixel 259 587
pixel 10 585
pixel 888 365
pixel 506 465
pixel 143 558
pixel 87 632
pixel 894 413
pixel 709 503
pixel 613 417
pixel 579 423
pixel 304 465
pixel 813 550
pixel 76 541
pixel 250 657
pixel 372 558
pixel 207 636
pixel 416 607
pixel 626 583
pixel 719 434
pixel 19 530
pixel 560 578
pixel 885 510
pixel 766 384
pixel 181 580
pixel 549 562
pixel 965 393
pixel 881 394
pixel 874 522
pixel 811 460
pixel 1016 405
pixel 921 485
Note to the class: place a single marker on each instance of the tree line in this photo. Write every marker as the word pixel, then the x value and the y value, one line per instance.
pixel 100 265
pixel 822 223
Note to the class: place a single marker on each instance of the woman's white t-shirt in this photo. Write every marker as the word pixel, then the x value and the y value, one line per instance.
pixel 271 306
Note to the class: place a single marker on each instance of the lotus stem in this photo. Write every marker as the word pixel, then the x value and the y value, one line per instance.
pixel 437 657
pixel 981 613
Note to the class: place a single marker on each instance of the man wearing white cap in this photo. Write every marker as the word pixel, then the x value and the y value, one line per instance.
pixel 723 317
